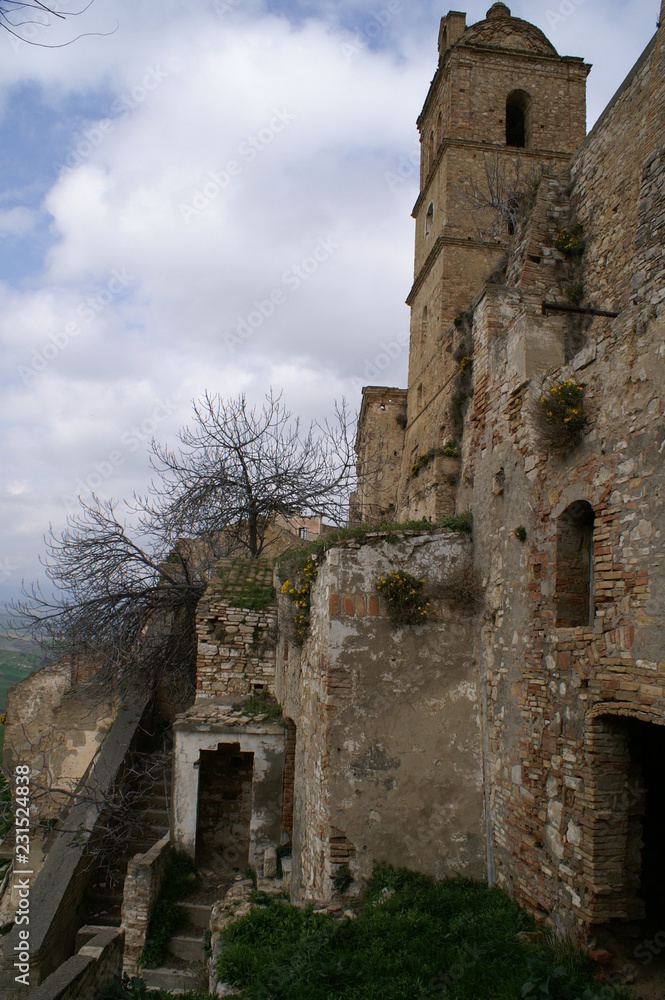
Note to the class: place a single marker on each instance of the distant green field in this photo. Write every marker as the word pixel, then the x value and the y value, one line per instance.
pixel 14 667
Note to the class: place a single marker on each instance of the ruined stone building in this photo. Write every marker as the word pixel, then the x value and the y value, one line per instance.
pixel 524 742
pixel 517 734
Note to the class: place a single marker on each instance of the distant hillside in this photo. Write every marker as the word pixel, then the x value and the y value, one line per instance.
pixel 18 656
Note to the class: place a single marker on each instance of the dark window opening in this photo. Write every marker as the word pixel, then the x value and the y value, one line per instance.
pixel 429 218
pixel 574 565
pixel 516 119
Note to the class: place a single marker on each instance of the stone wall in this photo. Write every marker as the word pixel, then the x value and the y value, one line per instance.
pixel 575 701
pixel 88 973
pixel 145 875
pixel 236 645
pixel 607 173
pixel 57 892
pixel 388 750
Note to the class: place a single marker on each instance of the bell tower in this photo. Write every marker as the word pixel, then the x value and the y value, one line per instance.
pixel 502 104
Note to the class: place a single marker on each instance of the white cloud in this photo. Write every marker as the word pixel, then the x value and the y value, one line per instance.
pixel 231 162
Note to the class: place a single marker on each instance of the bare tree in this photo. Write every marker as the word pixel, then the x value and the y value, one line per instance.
pixel 122 602
pixel 238 470
pixel 123 606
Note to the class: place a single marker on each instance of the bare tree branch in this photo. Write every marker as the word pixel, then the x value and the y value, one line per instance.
pixel 16 16
pixel 238 470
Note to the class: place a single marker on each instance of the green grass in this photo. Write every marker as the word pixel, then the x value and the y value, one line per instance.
pixel 136 989
pixel 293 560
pixel 455 939
pixel 248 583
pixel 261 703
pixel 14 667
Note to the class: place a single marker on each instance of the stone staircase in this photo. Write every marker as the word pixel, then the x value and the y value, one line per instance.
pixel 145 822
pixel 186 969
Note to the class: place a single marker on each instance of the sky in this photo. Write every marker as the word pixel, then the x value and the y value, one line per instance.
pixel 213 196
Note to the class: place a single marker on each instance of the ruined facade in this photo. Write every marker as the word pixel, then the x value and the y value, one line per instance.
pixel 521 739
pixel 569 541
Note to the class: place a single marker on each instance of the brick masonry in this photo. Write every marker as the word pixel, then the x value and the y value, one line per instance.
pixel 571 648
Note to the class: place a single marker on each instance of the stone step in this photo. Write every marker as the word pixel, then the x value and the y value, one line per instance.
pixel 154 816
pixel 188 947
pixel 198 914
pixel 175 980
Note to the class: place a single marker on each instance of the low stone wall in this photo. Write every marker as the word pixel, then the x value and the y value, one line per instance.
pixel 89 972
pixel 145 875
pixel 57 892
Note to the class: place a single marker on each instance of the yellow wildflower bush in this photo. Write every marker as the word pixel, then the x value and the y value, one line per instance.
pixel 408 603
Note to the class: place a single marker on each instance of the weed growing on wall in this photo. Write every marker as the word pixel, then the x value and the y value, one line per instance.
pixel 408 603
pixel 561 415
pixel 571 241
pixel 261 703
pixel 300 590
pixel 449 450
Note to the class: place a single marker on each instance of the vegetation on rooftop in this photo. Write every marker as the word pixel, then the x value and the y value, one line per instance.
pixel 246 586
pixel 261 703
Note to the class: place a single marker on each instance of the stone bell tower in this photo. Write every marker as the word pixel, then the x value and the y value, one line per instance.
pixel 502 101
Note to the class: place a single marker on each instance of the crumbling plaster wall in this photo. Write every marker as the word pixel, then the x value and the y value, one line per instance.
pixel 56 723
pixel 388 752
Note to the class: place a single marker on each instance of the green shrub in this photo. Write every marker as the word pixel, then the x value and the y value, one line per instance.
pixel 413 937
pixel 408 603
pixel 570 241
pixel 561 415
pixel 342 879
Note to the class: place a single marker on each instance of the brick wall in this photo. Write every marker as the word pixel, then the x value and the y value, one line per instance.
pixel 572 707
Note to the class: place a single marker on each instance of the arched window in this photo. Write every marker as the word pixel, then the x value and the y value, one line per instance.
pixel 439 130
pixel 430 156
pixel 429 218
pixel 574 565
pixel 517 108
